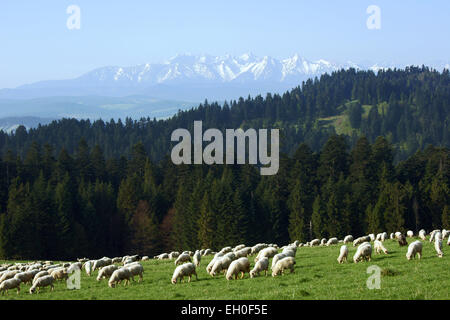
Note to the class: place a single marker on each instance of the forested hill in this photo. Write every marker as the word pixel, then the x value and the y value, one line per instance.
pixel 410 107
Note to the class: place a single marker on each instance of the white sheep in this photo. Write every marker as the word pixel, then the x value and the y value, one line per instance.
pixel 244 252
pixel 59 274
pixel 8 275
pixel 258 247
pixel 332 241
pixel 397 235
pixel 40 274
pixel 136 269
pixel 220 265
pixel 118 276
pixel 25 277
pixel 372 237
pixel 384 236
pixel 211 263
pixel 378 245
pixel 172 255
pixel 422 234
pixel 268 252
pixel 348 239
pixel 281 265
pixel 207 252
pixel 323 242
pixel 445 233
pixel 360 240
pixel 103 262
pixel 238 247
pixel 106 271
pixel 438 247
pixel 8 284
pixel 364 252
pixel 261 265
pixel 185 270
pixel 392 236
pixel 314 242
pixel 410 234
pixel 240 265
pixel 42 282
pixel 413 249
pixel 289 252
pixel 184 257
pixel 343 253
pixel 197 258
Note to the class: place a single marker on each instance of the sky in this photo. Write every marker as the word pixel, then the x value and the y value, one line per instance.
pixel 36 44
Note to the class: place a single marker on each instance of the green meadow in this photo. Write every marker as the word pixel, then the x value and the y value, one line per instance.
pixel 317 276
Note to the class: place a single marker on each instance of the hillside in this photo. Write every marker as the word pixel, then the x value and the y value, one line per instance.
pixel 409 107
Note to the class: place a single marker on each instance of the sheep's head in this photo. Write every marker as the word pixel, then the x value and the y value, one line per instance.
pixel 174 281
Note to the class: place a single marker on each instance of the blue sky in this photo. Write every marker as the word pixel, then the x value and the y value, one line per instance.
pixel 35 43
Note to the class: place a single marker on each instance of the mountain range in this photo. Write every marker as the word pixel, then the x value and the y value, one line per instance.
pixel 180 82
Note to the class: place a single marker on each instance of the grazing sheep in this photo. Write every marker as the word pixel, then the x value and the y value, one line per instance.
pixel 281 265
pixel 82 260
pixel 59 274
pixel 220 265
pixel 184 257
pixel 226 250
pixel 8 275
pixel 378 245
pixel 145 258
pixel 244 252
pixel 364 252
pixel 136 269
pixel 413 249
pixel 163 256
pixel 173 255
pixel 25 277
pixel 185 270
pixel 392 236
pixel 116 260
pixel 238 247
pixel 372 237
pixel 422 234
pixel 106 271
pixel 402 240
pixel 445 233
pixel 323 242
pixel 410 234
pixel 74 266
pixel 261 265
pixel 289 252
pixel 360 240
pixel 40 274
pixel 13 283
pixel 314 242
pixel 438 246
pixel 348 239
pixel 103 262
pixel 211 263
pixel 267 252
pixel 343 253
pixel 42 282
pixel 197 258
pixel 118 276
pixel 258 247
pixel 378 237
pixel 397 234
pixel 240 265
pixel 207 252
pixel 384 236
pixel 332 241
pixel 278 257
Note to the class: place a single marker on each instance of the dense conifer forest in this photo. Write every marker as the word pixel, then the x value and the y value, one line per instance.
pixel 361 153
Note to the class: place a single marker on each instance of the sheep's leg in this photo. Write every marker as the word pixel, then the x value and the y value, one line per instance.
pixel 242 274
pixel 189 279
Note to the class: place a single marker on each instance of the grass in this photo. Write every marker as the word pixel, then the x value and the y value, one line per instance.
pixel 317 276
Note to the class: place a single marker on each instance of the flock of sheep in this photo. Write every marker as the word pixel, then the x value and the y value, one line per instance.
pixel 232 262
pixel 41 274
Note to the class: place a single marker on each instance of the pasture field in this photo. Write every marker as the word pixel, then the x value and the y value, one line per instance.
pixel 317 276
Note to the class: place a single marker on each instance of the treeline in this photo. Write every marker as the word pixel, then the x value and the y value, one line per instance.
pixel 87 204
pixel 409 107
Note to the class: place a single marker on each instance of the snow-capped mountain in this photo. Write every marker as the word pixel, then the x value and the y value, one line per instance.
pixel 193 78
